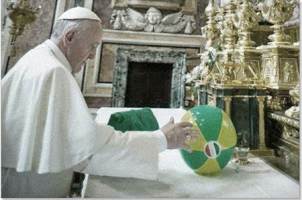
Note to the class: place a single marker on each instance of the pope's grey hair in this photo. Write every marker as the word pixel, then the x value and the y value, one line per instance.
pixel 61 27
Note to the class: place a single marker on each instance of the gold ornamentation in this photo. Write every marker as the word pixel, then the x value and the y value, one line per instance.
pixel 275 103
pixel 290 132
pixel 286 120
pixel 294 111
pixel 21 14
pixel 290 126
pixel 228 31
pixel 210 30
pixel 278 12
pixel 280 66
pixel 246 19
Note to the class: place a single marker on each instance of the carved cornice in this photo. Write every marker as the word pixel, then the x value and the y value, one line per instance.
pixel 154 39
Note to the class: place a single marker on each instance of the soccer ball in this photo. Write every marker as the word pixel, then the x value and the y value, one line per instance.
pixel 215 145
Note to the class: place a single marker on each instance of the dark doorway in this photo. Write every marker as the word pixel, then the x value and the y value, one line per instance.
pixel 148 85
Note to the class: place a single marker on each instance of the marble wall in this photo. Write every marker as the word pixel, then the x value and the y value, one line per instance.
pixel 99 74
pixel 108 56
pixel 104 10
pixel 98 79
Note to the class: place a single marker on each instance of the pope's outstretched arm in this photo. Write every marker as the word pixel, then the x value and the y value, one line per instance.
pixel 135 154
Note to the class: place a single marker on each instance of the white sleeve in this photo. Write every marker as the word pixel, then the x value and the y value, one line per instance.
pixel 131 154
pixel 162 140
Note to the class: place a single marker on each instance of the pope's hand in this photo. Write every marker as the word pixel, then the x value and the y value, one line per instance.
pixel 178 135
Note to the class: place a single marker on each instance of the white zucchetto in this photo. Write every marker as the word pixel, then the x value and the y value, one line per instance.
pixel 79 13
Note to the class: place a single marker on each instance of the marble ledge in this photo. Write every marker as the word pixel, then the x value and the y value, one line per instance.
pixel 153 39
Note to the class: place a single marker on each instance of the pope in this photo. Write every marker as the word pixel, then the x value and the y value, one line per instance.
pixel 47 129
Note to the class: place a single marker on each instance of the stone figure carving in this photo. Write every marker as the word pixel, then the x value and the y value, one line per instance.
pixel 229 73
pixel 194 74
pixel 152 21
pixel 277 10
pixel 294 111
pixel 270 71
pixel 295 18
pixel 128 19
pixel 288 73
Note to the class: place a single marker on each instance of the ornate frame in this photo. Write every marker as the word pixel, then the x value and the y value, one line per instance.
pixel 126 55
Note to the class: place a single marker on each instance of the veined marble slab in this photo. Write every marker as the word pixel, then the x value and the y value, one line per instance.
pixel 177 180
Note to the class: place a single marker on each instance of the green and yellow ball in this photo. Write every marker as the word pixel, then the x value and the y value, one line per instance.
pixel 217 138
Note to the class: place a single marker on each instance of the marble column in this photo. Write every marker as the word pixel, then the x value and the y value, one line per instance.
pixel 261 122
pixel 227 104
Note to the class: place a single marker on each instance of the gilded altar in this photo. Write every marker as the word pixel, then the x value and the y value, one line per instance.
pixel 250 68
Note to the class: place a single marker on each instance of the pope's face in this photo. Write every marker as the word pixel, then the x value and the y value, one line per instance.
pixel 83 47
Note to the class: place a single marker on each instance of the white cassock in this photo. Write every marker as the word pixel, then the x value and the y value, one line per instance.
pixel 48 132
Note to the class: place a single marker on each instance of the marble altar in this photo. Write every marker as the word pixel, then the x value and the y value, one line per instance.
pixel 176 180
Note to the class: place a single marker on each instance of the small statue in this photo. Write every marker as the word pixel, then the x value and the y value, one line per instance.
pixel 288 73
pixel 294 111
pixel 204 74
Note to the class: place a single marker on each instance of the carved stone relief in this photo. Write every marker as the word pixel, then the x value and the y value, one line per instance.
pixel 126 55
pixel 152 21
pixel 269 71
pixel 289 72
pixel 249 71
pixel 284 71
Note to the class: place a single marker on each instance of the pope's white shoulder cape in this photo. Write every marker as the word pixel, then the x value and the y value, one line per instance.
pixel 47 127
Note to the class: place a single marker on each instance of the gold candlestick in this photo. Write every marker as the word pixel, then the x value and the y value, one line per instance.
pixel 21 14
pixel 245 20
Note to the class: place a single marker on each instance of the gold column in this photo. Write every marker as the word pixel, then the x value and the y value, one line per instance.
pixel 227 104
